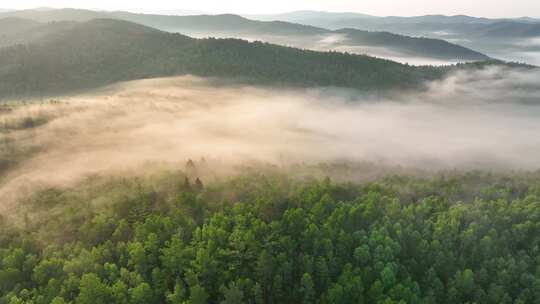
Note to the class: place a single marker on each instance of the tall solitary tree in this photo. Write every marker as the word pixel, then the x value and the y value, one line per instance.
pixel 198 184
pixel 190 167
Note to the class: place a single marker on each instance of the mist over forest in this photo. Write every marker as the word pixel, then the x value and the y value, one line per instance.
pixel 454 124
pixel 306 157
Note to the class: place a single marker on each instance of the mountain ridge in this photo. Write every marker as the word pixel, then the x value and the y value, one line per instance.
pixel 297 15
pixel 235 26
pixel 104 51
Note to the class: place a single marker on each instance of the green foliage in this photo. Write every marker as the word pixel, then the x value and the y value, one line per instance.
pixel 198 295
pixel 463 238
pixel 92 290
pixel 307 289
pixel 17 30
pixel 101 52
pixel 232 295
pixel 414 46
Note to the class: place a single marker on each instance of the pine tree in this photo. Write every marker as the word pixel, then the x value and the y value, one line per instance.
pixel 198 295
pixel 198 185
pixel 187 184
pixel 307 289
pixel 190 166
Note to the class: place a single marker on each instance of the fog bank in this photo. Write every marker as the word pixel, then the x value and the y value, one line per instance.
pixel 482 120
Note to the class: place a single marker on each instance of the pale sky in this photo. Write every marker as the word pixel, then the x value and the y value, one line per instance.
pixel 481 8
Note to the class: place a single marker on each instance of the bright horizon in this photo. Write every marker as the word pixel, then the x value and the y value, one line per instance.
pixel 478 8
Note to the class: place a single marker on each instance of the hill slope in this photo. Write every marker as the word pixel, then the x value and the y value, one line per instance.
pixel 22 31
pixel 299 22
pixel 513 39
pixel 48 15
pixel 330 19
pixel 102 51
pixel 434 48
pixel 215 23
pixel 400 24
pixel 225 23
pixel 11 25
pixel 511 29
pixel 291 34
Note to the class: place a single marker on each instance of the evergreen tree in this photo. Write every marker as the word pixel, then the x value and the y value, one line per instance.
pixel 187 184
pixel 198 295
pixel 307 289
pixel 198 185
pixel 232 295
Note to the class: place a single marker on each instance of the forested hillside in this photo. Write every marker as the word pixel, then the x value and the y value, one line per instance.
pixel 430 48
pixel 279 32
pixel 12 25
pixel 15 31
pixel 225 23
pixel 460 25
pixel 146 160
pixel 333 19
pixel 101 52
pixel 264 237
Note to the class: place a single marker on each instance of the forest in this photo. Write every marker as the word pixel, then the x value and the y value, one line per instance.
pixel 22 26
pixel 139 165
pixel 268 236
pixel 75 57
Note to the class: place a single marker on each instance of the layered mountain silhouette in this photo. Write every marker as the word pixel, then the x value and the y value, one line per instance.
pixel 279 32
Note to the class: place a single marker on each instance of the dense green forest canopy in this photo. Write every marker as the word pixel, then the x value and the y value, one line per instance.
pixel 101 52
pixel 206 231
pixel 270 237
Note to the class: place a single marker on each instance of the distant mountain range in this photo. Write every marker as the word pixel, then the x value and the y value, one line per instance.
pixel 76 56
pixel 429 25
pixel 516 39
pixel 177 12
pixel 310 19
pixel 279 32
pixel 363 21
pixel 492 30
pixel 314 18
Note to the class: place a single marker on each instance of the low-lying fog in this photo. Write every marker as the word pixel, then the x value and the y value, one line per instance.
pixel 487 119
pixel 337 43
pixel 520 50
pixel 523 50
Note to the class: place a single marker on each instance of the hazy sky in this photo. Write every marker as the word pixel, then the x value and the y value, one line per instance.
pixel 488 8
